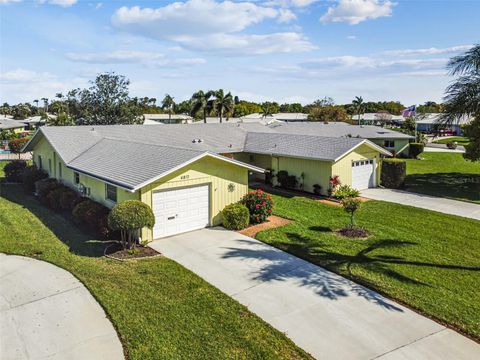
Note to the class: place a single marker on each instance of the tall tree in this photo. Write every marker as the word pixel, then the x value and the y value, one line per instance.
pixel 36 102
pixel 462 98
pixel 201 102
pixel 223 103
pixel 267 110
pixel 45 104
pixel 107 102
pixel 168 104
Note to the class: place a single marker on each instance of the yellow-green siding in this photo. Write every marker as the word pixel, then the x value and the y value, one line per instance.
pixel 228 184
pixel 343 167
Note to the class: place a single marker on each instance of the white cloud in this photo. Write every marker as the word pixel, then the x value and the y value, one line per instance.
pixel 429 51
pixel 286 15
pixel 356 11
pixel 351 37
pixel 367 62
pixel 245 45
pixel 62 3
pixel 290 3
pixel 207 25
pixel 3 2
pixel 20 74
pixel 148 59
pixel 191 17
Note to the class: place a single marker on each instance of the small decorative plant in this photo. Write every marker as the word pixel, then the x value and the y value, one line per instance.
pixel 351 206
pixel 345 191
pixel 334 182
pixel 287 181
pixel 259 204
pixel 317 189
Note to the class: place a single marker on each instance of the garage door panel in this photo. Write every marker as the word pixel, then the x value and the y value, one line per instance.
pixel 363 174
pixel 180 210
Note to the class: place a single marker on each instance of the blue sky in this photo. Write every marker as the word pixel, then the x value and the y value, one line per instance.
pixel 282 50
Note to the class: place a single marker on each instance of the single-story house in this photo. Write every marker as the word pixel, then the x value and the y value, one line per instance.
pixel 188 174
pixel 9 124
pixel 427 123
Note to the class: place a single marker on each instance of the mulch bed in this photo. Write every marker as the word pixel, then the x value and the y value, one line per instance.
pixel 353 232
pixel 272 222
pixel 116 252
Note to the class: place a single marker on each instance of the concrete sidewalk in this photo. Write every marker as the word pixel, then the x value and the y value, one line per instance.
pixel 325 314
pixel 447 206
pixel 45 312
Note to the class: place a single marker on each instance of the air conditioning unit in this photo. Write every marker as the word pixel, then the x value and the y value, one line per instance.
pixel 85 191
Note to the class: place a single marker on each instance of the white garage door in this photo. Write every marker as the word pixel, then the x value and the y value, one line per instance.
pixel 363 174
pixel 180 210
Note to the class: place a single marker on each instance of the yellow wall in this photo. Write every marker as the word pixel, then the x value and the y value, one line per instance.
pixel 315 171
pixel 259 160
pixel 343 167
pixel 66 175
pixel 228 184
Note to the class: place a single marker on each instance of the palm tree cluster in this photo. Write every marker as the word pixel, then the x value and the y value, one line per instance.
pixel 212 102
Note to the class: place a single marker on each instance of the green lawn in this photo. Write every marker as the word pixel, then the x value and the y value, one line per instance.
pixel 160 309
pixel 459 139
pixel 428 260
pixel 446 175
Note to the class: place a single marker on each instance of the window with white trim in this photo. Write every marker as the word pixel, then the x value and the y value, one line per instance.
pixel 111 193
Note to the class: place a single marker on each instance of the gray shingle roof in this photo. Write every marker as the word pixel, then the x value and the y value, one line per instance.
pixel 130 164
pixel 130 155
pixel 6 124
pixel 304 146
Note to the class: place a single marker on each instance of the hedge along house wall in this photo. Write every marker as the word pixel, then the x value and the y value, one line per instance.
pixel 228 184
pixel 56 169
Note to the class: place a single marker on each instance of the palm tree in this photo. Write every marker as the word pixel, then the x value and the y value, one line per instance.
pixel 45 104
pixel 358 106
pixel 463 96
pixel 266 110
pixel 201 101
pixel 223 103
pixel 168 104
pixel 36 102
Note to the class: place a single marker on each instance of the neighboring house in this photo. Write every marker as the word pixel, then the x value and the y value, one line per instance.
pixel 188 174
pixel 379 118
pixel 8 124
pixel 150 119
pixel 426 123
pixel 289 117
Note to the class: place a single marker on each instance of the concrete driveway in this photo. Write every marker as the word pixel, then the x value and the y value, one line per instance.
pixel 325 314
pixel 435 203
pixel 45 312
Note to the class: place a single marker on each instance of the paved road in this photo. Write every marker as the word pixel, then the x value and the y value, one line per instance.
pixel 325 314
pixel 443 149
pixel 45 312
pixel 447 206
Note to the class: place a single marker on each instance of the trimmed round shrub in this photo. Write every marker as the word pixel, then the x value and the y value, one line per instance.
pixel 31 174
pixel 14 170
pixel 129 217
pixel 393 173
pixel 415 149
pixel 81 209
pixel 259 204
pixel 69 200
pixel 235 217
pixel 345 191
pixel 53 197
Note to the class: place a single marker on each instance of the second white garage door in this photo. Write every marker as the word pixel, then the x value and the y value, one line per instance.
pixel 180 210
pixel 363 174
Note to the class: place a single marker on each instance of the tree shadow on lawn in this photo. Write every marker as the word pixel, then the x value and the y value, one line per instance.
pixel 453 185
pixel 78 241
pixel 277 265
